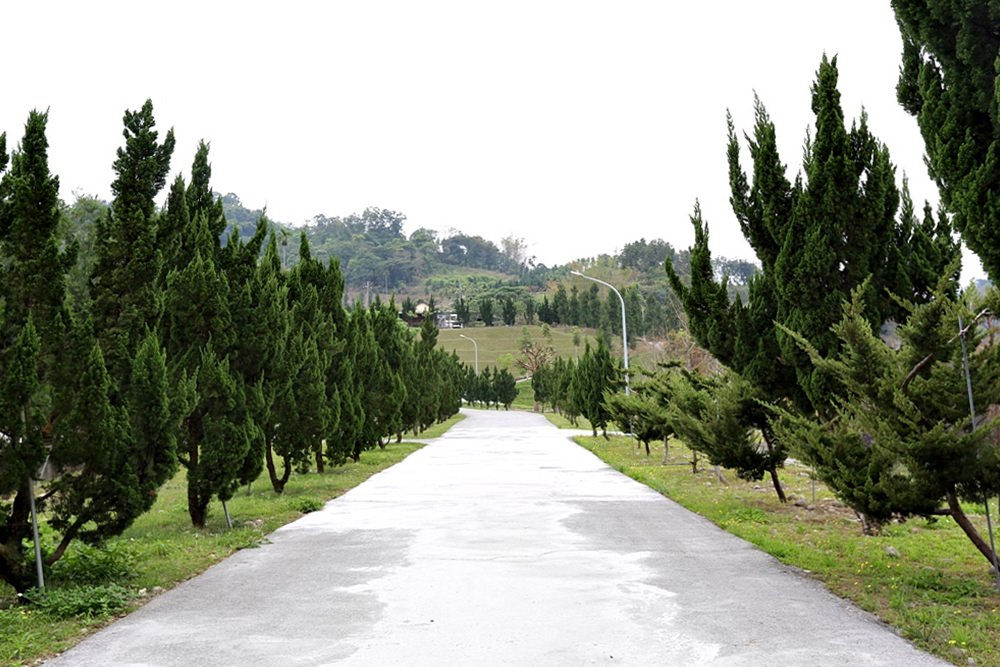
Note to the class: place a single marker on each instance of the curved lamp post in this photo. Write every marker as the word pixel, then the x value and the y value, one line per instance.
pixel 624 330
pixel 475 347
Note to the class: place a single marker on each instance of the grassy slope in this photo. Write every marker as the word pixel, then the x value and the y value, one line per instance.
pixel 498 340
pixel 162 549
pixel 922 577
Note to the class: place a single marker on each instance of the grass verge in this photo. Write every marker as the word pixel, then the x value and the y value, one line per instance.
pixel 90 587
pixel 922 577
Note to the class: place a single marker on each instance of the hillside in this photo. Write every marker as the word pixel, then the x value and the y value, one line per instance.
pixel 379 261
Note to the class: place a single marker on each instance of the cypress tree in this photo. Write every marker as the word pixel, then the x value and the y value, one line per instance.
pixel 392 339
pixel 107 452
pixel 560 305
pixel 594 375
pixel 506 388
pixel 530 310
pixel 508 310
pixel 209 331
pixel 817 239
pixel 574 306
pixel 948 82
pixel 645 409
pixel 486 310
pixel 214 441
pixel 125 283
pixel 901 443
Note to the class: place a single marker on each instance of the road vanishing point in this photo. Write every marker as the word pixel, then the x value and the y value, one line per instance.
pixel 500 543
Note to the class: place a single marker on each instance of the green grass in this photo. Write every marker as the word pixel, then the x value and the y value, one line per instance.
pixel 161 549
pixel 938 592
pixel 496 341
pixel 437 430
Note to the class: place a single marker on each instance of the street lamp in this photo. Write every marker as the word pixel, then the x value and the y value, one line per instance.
pixel 624 330
pixel 475 347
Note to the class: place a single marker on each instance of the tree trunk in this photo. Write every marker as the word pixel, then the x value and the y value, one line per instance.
pixel 666 449
pixel 320 463
pixel 777 484
pixel 867 527
pixel 197 507
pixel 272 471
pixel 773 470
pixel 694 462
pixel 13 568
pixel 970 531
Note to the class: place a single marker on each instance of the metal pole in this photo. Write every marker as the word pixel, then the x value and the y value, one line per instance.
pixel 475 348
pixel 624 329
pixel 34 532
pixel 34 514
pixel 972 411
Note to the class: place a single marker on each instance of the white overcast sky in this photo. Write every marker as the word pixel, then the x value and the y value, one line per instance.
pixel 577 125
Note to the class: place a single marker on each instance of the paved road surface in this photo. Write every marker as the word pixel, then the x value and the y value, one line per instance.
pixel 501 543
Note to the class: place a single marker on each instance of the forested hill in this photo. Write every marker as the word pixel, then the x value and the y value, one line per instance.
pixel 374 252
pixel 377 258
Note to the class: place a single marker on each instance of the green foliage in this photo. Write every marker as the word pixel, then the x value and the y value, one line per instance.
pixel 594 376
pixel 92 601
pixel 207 314
pixel 645 411
pixel 85 565
pixel 123 286
pixel 308 504
pixel 715 416
pixel 101 435
pixel 900 443
pixel 817 239
pixel 486 310
pixel 948 82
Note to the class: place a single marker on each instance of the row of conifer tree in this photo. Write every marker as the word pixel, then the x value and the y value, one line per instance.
pixel 856 350
pixel 186 349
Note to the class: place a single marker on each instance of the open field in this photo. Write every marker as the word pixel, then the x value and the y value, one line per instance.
pixel 496 341
pixel 161 549
pixel 500 340
pixel 923 576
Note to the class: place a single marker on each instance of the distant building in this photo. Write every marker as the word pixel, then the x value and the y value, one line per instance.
pixel 448 321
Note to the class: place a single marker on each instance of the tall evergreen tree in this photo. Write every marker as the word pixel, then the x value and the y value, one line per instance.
pixel 220 445
pixel 105 457
pixel 817 239
pixel 901 443
pixel 486 310
pixel 595 375
pixel 125 283
pixel 508 310
pixel 573 306
pixel 560 305
pixel 530 310
pixel 948 82
pixel 506 388
pixel 392 342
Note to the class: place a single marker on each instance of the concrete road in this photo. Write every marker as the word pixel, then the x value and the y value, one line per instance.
pixel 502 543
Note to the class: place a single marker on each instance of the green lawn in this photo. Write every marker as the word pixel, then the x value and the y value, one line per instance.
pixel 922 577
pixel 499 340
pixel 161 549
